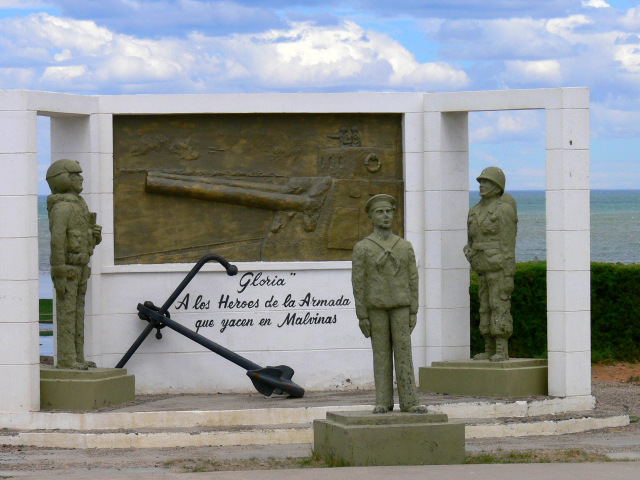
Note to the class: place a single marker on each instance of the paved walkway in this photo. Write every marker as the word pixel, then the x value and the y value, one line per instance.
pixel 546 471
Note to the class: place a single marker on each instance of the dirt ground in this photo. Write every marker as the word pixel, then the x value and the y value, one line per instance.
pixel 616 372
pixel 615 386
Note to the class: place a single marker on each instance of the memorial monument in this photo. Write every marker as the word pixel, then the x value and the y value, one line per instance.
pixel 250 187
pixel 491 250
pixel 74 235
pixel 385 288
pixel 492 225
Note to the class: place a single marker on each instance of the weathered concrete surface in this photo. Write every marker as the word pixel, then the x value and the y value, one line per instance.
pixel 516 377
pixel 70 389
pixel 364 438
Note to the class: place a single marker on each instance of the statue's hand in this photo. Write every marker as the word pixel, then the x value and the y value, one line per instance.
pixel 413 319
pixel 96 231
pixel 59 277
pixel 468 252
pixel 365 327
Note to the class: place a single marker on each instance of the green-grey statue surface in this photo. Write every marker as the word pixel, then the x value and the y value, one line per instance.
pixel 74 234
pixel 385 287
pixel 491 250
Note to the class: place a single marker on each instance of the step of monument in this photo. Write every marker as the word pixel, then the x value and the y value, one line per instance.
pixel 159 438
pixel 560 424
pixel 140 416
pixel 285 433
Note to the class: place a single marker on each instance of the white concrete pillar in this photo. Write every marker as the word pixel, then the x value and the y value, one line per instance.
pixel 414 217
pixel 568 245
pixel 446 273
pixel 19 339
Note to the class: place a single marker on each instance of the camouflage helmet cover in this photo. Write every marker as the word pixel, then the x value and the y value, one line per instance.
pixel 495 175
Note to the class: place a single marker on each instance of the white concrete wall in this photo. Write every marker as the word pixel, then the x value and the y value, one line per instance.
pixel 436 146
pixel 323 356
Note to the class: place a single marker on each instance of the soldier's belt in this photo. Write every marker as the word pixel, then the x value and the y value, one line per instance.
pixel 77 259
pixel 486 245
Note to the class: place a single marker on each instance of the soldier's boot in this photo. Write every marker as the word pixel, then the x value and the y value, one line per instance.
pixel 72 365
pixel 80 360
pixel 417 409
pixel 489 349
pixel 502 350
pixel 380 409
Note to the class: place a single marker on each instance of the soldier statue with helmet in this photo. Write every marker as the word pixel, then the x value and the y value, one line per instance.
pixel 492 226
pixel 74 234
pixel 385 288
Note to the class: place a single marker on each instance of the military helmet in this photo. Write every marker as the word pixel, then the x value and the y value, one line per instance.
pixel 61 166
pixel 495 175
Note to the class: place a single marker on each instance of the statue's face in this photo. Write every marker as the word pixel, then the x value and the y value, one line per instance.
pixel 488 188
pixel 382 215
pixel 76 181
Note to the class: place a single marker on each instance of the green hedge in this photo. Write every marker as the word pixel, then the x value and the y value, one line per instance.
pixel 615 312
pixel 46 310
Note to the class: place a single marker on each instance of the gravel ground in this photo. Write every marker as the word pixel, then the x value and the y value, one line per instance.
pixel 612 398
pixel 618 443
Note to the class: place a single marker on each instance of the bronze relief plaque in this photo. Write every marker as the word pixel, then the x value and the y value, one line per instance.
pixel 250 187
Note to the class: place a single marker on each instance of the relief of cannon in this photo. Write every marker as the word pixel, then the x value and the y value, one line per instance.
pixel 297 200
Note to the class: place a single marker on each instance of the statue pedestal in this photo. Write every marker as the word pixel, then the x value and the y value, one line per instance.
pixel 364 438
pixel 67 389
pixel 516 377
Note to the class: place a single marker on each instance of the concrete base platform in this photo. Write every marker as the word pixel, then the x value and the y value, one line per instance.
pixel 164 421
pixel 516 377
pixel 364 438
pixel 66 389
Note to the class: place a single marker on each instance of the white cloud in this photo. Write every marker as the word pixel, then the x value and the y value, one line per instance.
pixel 631 20
pixel 17 77
pixel 63 74
pixel 595 4
pixel 511 38
pixel 308 55
pixel 303 56
pixel 506 126
pixel 536 71
pixel 628 55
pixel 614 122
pixel 23 4
pixel 81 36
pixel 566 25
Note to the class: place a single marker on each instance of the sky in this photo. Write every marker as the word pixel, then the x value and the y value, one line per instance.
pixel 250 46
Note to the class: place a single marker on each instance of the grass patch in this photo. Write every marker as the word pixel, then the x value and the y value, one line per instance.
pixel 46 310
pixel 633 379
pixel 196 465
pixel 328 461
pixel 46 333
pixel 536 456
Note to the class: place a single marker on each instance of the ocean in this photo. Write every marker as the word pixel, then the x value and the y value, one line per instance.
pixel 615 229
